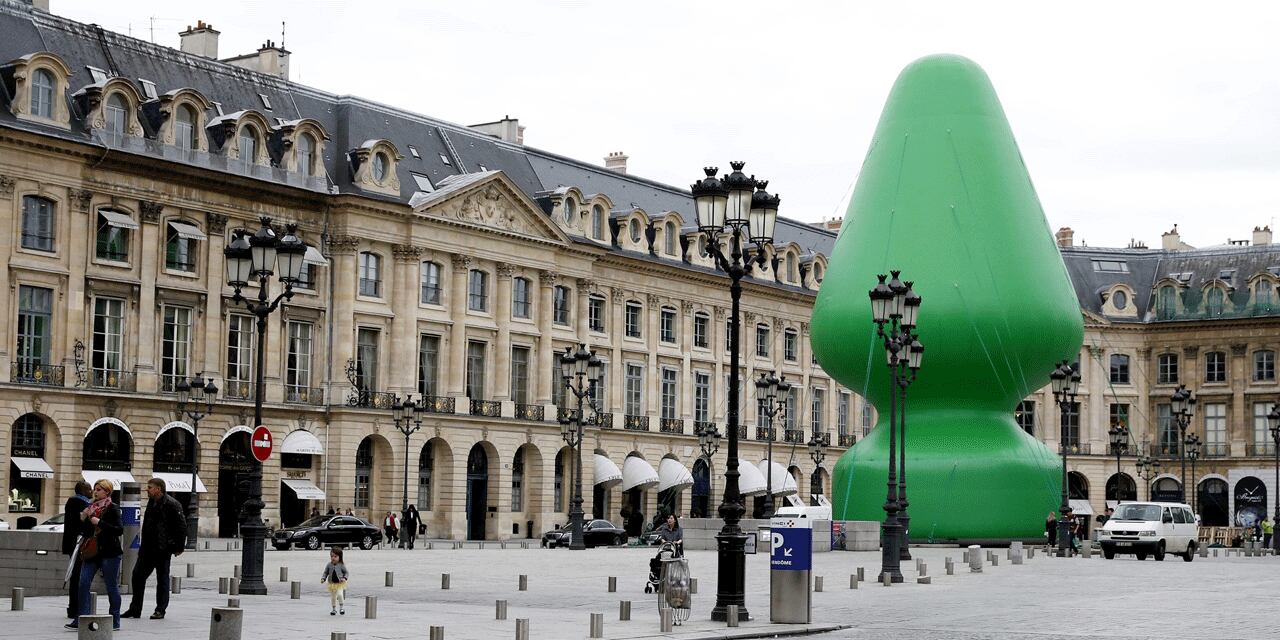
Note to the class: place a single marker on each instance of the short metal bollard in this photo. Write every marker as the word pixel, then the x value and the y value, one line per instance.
pixel 390 580
pixel 191 570
pixel 624 610
pixel 522 629
pixel 1015 552
pixel 886 579
pixel 224 585
pixel 94 627
pixel 436 633
pixel 235 587
pixel 524 582
pixel 693 586
pixel 371 607
pixel 597 625
pixel 862 574
pixel 964 557
pixel 444 581
pixel 500 610
pixel 284 574
pixel 93 603
pixel 17 599
pixel 175 585
pixel 613 584
pixel 337 635
pixel 666 621
pixel 817 584
pixel 1086 550
pixel 206 545
pixel 295 590
pixel 1031 552
pixel 853 581
pixel 974 554
pixel 919 561
pixel 995 560
pixel 235 572
pixel 922 569
pixel 225 623
pixel 233 602
pixel 731 614
pixel 1204 552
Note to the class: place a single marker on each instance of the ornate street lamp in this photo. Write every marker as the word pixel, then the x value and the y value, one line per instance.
pixel 1184 404
pixel 1148 468
pixel 818 443
pixel 407 416
pixel 1192 444
pixel 579 370
pixel 729 205
pixel 913 351
pixel 257 258
pixel 1274 419
pixel 1119 434
pixel 768 388
pixel 1066 384
pixel 191 395
pixel 708 439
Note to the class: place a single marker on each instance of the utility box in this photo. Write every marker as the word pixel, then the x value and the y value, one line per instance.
pixel 131 518
pixel 790 567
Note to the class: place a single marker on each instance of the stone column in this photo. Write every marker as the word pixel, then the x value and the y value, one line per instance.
pixel 71 295
pixel 719 394
pixel 456 380
pixel 653 372
pixel 1238 370
pixel 7 185
pixel 546 371
pixel 617 327
pixel 686 348
pixel 404 304
pixel 215 284
pixel 342 257
pixel 148 380
pixel 501 379
pixel 583 328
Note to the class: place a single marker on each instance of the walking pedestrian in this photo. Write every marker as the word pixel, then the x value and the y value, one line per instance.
pixel 164 535
pixel 100 550
pixel 315 512
pixel 1051 529
pixel 332 512
pixel 670 532
pixel 409 524
pixel 389 527
pixel 335 576
pixel 71 538
pixel 1268 528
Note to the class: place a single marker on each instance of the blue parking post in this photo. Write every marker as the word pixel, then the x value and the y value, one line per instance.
pixel 790 565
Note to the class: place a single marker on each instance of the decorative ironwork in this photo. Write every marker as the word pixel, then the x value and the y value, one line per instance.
pixel 699 427
pixel 78 350
pixel 371 399
pixel 846 440
pixel 32 373
pixel 742 432
pixel 635 423
pixel 1258 449
pixel 237 389
pixel 120 380
pixel 1076 448
pixel 604 419
pixel 529 412
pixel 486 408
pixel 1214 449
pixel 793 436
pixel 437 404
pixel 304 395
pixel 671 425
pixel 763 435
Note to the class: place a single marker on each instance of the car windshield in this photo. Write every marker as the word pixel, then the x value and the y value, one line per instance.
pixel 1138 512
pixel 56 519
pixel 315 522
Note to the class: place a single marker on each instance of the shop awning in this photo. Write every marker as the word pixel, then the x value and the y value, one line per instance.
pixel 236 429
pixel 606 472
pixel 187 231
pixel 637 473
pixel 1081 507
pixel 304 489
pixel 33 467
pixel 180 482
pixel 176 424
pixel 750 480
pixel 302 441
pixel 673 475
pixel 313 256
pixel 117 219
pixel 117 478
pixel 782 482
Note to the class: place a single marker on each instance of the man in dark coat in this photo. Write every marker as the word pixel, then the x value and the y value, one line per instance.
pixel 71 538
pixel 164 535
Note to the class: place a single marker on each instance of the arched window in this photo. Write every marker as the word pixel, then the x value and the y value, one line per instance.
pixel 370 274
pixel 108 447
pixel 1215 301
pixel 306 153
pixel 817 273
pixel 42 94
pixel 37 223
pixel 634 228
pixel 792 275
pixel 26 486
pixel 248 144
pixel 116 112
pixel 1262 293
pixel 670 239
pixel 1165 302
pixel 517 482
pixel 173 451
pixel 570 210
pixel 379 167
pixel 597 222
pixel 184 128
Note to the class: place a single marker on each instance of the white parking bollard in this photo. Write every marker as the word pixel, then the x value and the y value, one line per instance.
pixel 975 558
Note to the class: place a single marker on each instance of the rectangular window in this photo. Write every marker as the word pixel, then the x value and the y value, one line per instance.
pixel 789 409
pixel 428 365
pixel 1026 416
pixel 1215 427
pixel 1167 368
pixel 1262 441
pixel 175 347
pixel 106 355
pixel 1167 430
pixel 1264 366
pixel 367 359
pixel 842 414
pixel 670 393
pixel 370 274
pixel 112 241
pixel 1071 426
pixel 478 290
pixel 476 369
pixel 521 307
pixel 635 387
pixel 1119 368
pixel 35 320
pixel 595 313
pixel 239 355
pixel 762 341
pixel 517 482
pixel 599 389
pixel 520 375
pixel 37 223
pixel 306 278
pixel 668 325
pixel 1119 414
pixel 817 408
pixel 701 331
pixel 430 283
pixel 180 249
pixel 298 363
pixel 728 336
pixel 868 417
pixel 561 306
pixel 632 317
pixel 790 346
pixel 701 396
pixel 1215 366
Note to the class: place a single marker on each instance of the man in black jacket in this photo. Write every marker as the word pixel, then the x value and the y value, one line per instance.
pixel 164 535
pixel 71 538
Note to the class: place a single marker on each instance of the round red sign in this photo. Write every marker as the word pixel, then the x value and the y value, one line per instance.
pixel 261 444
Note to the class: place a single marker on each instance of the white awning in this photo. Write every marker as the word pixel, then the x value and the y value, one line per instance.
pixel 313 256
pixel 33 467
pixel 304 489
pixel 302 441
pixel 1081 507
pixel 176 424
pixel 236 429
pixel 637 473
pixel 117 478
pixel 180 482
pixel 187 231
pixel 673 475
pixel 750 480
pixel 782 482
pixel 117 219
pixel 101 421
pixel 606 472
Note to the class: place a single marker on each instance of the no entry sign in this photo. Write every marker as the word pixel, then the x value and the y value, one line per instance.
pixel 261 444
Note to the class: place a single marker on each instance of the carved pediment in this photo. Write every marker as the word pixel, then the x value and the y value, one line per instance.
pixel 488 200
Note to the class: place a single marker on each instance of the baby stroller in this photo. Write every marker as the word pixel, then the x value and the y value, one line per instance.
pixel 667 551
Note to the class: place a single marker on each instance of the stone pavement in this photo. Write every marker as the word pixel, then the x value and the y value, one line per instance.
pixel 1045 598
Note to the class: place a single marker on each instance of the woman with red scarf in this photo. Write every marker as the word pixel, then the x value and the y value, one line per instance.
pixel 100 550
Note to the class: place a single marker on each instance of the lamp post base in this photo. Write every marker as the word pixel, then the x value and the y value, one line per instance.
pixel 904 548
pixel 731 583
pixel 891 552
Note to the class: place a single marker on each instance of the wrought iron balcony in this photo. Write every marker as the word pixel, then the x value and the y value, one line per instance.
pixel 304 395
pixel 33 373
pixel 486 408
pixel 845 440
pixel 635 423
pixel 119 380
pixel 1214 449
pixel 371 399
pixel 742 432
pixel 1169 449
pixel 237 389
pixel 763 434
pixel 1073 448
pixel 604 420
pixel 699 426
pixel 671 425
pixel 1267 448
pixel 438 404
pixel 793 436
pixel 529 412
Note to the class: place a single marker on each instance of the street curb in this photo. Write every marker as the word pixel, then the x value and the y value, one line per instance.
pixel 746 634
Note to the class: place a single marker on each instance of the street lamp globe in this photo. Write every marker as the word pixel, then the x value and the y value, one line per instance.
pixel 710 198
pixel 238 258
pixel 764 214
pixel 290 254
pixel 263 246
pixel 910 307
pixel 915 356
pixel 741 189
pixel 183 389
pixel 880 296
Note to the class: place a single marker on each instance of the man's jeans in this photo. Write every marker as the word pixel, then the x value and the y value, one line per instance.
pixel 110 569
pixel 148 562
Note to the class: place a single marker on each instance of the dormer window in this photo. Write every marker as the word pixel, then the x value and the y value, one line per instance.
pixel 184 128
pixel 379 167
pixel 570 209
pixel 1262 293
pixel 306 154
pixel 37 87
pixel 1120 300
pixel 634 228
pixel 597 222
pixel 670 239
pixel 115 114
pixel 374 163
pixel 1215 301
pixel 42 84
pixel 792 274
pixel 248 144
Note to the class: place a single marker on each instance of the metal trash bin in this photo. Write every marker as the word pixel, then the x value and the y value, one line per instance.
pixel 790 566
pixel 674 591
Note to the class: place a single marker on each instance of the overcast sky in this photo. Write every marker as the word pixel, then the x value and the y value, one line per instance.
pixel 1131 116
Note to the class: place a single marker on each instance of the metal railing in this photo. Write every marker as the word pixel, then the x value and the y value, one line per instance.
pixel 742 432
pixel 371 399
pixel 486 408
pixel 438 404
pixel 635 423
pixel 1214 449
pixel 119 380
pixel 32 373
pixel 237 389
pixel 699 425
pixel 671 425
pixel 1075 448
pixel 1260 448
pixel 604 419
pixel 304 395
pixel 765 434
pixel 529 412
pixel 845 440
pixel 1168 449
pixel 793 436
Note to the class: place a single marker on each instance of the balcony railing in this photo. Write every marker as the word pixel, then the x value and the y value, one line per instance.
pixel 32 373
pixel 635 423
pixel 763 434
pixel 371 399
pixel 1074 448
pixel 486 408
pixel 793 436
pixel 437 404
pixel 845 440
pixel 1169 449
pixel 671 425
pixel 702 426
pixel 304 395
pixel 529 412
pixel 604 420
pixel 742 432
pixel 237 389
pixel 1260 448
pixel 1214 449
pixel 119 380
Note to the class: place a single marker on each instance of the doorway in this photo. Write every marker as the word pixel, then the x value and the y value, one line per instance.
pixel 234 465
pixel 477 492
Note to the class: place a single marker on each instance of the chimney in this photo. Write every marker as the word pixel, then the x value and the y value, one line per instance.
pixel 1065 237
pixel 616 161
pixel 1261 236
pixel 201 41
pixel 507 129
pixel 1171 241
pixel 832 224
pixel 42 5
pixel 269 59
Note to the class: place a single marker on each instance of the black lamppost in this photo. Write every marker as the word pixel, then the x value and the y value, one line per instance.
pixel 708 440
pixel 895 319
pixel 407 416
pixel 1274 418
pixel 768 386
pixel 257 258
pixel 911 307
pixel 198 391
pixel 1119 434
pixel 1066 384
pixel 1192 444
pixel 731 205
pixel 1184 404
pixel 1148 469
pixel 818 444
pixel 578 372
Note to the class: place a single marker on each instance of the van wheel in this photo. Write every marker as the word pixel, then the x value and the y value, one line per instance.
pixel 1109 554
pixel 1142 555
pixel 1159 557
pixel 1191 552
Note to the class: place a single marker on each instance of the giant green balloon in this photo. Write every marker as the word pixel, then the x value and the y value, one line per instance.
pixel 944 196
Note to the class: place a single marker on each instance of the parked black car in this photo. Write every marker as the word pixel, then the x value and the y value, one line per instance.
pixel 322 531
pixel 595 533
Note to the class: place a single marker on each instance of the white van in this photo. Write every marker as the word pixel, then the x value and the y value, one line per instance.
pixel 797 509
pixel 1150 528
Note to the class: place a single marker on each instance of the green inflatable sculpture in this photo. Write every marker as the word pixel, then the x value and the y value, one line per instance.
pixel 944 197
